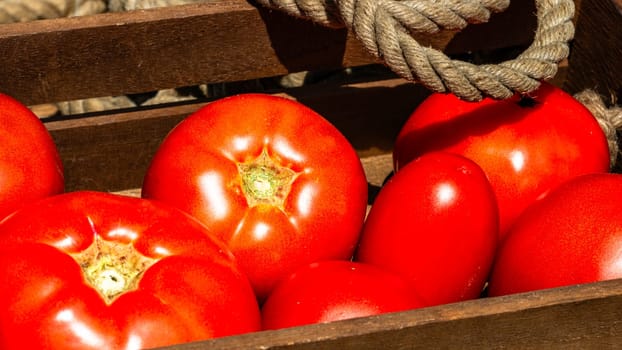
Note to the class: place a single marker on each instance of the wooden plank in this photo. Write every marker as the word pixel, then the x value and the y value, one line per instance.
pixel 578 317
pixel 138 51
pixel 217 41
pixel 111 152
pixel 594 61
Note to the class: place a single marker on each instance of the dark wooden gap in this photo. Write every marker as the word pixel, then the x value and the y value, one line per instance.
pixel 595 61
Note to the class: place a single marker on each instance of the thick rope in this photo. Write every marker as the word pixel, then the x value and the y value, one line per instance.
pixel 610 120
pixel 385 27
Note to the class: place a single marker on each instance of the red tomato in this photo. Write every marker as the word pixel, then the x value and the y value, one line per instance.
pixel 335 290
pixel 572 236
pixel 30 165
pixel 434 222
pixel 276 181
pixel 89 270
pixel 526 146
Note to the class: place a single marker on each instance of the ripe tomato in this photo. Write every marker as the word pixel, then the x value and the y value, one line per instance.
pixel 276 181
pixel 436 223
pixel 30 165
pixel 336 290
pixel 572 236
pixel 89 270
pixel 526 146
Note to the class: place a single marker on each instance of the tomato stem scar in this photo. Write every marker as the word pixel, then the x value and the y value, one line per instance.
pixel 112 268
pixel 264 181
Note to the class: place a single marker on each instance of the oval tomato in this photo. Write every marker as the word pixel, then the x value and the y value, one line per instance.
pixel 89 270
pixel 526 146
pixel 335 290
pixel 30 165
pixel 436 223
pixel 276 181
pixel 572 236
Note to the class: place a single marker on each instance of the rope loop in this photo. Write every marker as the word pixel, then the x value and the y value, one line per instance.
pixel 386 28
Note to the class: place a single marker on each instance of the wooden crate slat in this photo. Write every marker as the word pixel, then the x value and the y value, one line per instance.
pixel 579 317
pixel 118 53
pixel 217 41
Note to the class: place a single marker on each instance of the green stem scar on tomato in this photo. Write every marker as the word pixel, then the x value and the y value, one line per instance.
pixel 265 182
pixel 112 268
pixel 94 270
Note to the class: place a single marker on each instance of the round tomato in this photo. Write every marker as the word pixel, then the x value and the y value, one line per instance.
pixel 30 166
pixel 526 145
pixel 436 223
pixel 276 181
pixel 335 290
pixel 572 236
pixel 90 270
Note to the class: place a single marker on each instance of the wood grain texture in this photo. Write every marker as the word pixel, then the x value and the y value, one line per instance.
pixel 595 61
pixel 217 41
pixel 119 53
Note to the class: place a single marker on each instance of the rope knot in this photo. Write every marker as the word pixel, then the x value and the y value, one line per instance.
pixel 386 28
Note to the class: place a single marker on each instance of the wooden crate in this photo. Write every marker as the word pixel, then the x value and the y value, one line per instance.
pixel 225 41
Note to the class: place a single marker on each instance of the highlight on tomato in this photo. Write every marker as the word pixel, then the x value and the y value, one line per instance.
pixel 436 223
pixel 278 183
pixel 334 290
pixel 527 145
pixel 30 165
pixel 91 270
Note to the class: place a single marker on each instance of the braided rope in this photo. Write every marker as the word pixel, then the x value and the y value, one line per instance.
pixel 385 26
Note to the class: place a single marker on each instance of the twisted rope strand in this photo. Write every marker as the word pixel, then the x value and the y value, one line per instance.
pixel 385 28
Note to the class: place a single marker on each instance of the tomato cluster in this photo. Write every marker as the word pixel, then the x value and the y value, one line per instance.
pixel 254 215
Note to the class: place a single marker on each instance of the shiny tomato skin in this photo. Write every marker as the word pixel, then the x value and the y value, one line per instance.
pixel 191 290
pixel 436 223
pixel 526 146
pixel 197 169
pixel 334 290
pixel 30 166
pixel 572 236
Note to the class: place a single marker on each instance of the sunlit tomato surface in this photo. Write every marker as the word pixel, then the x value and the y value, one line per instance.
pixel 89 270
pixel 436 223
pixel 572 236
pixel 276 181
pixel 30 166
pixel 526 146
pixel 329 291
